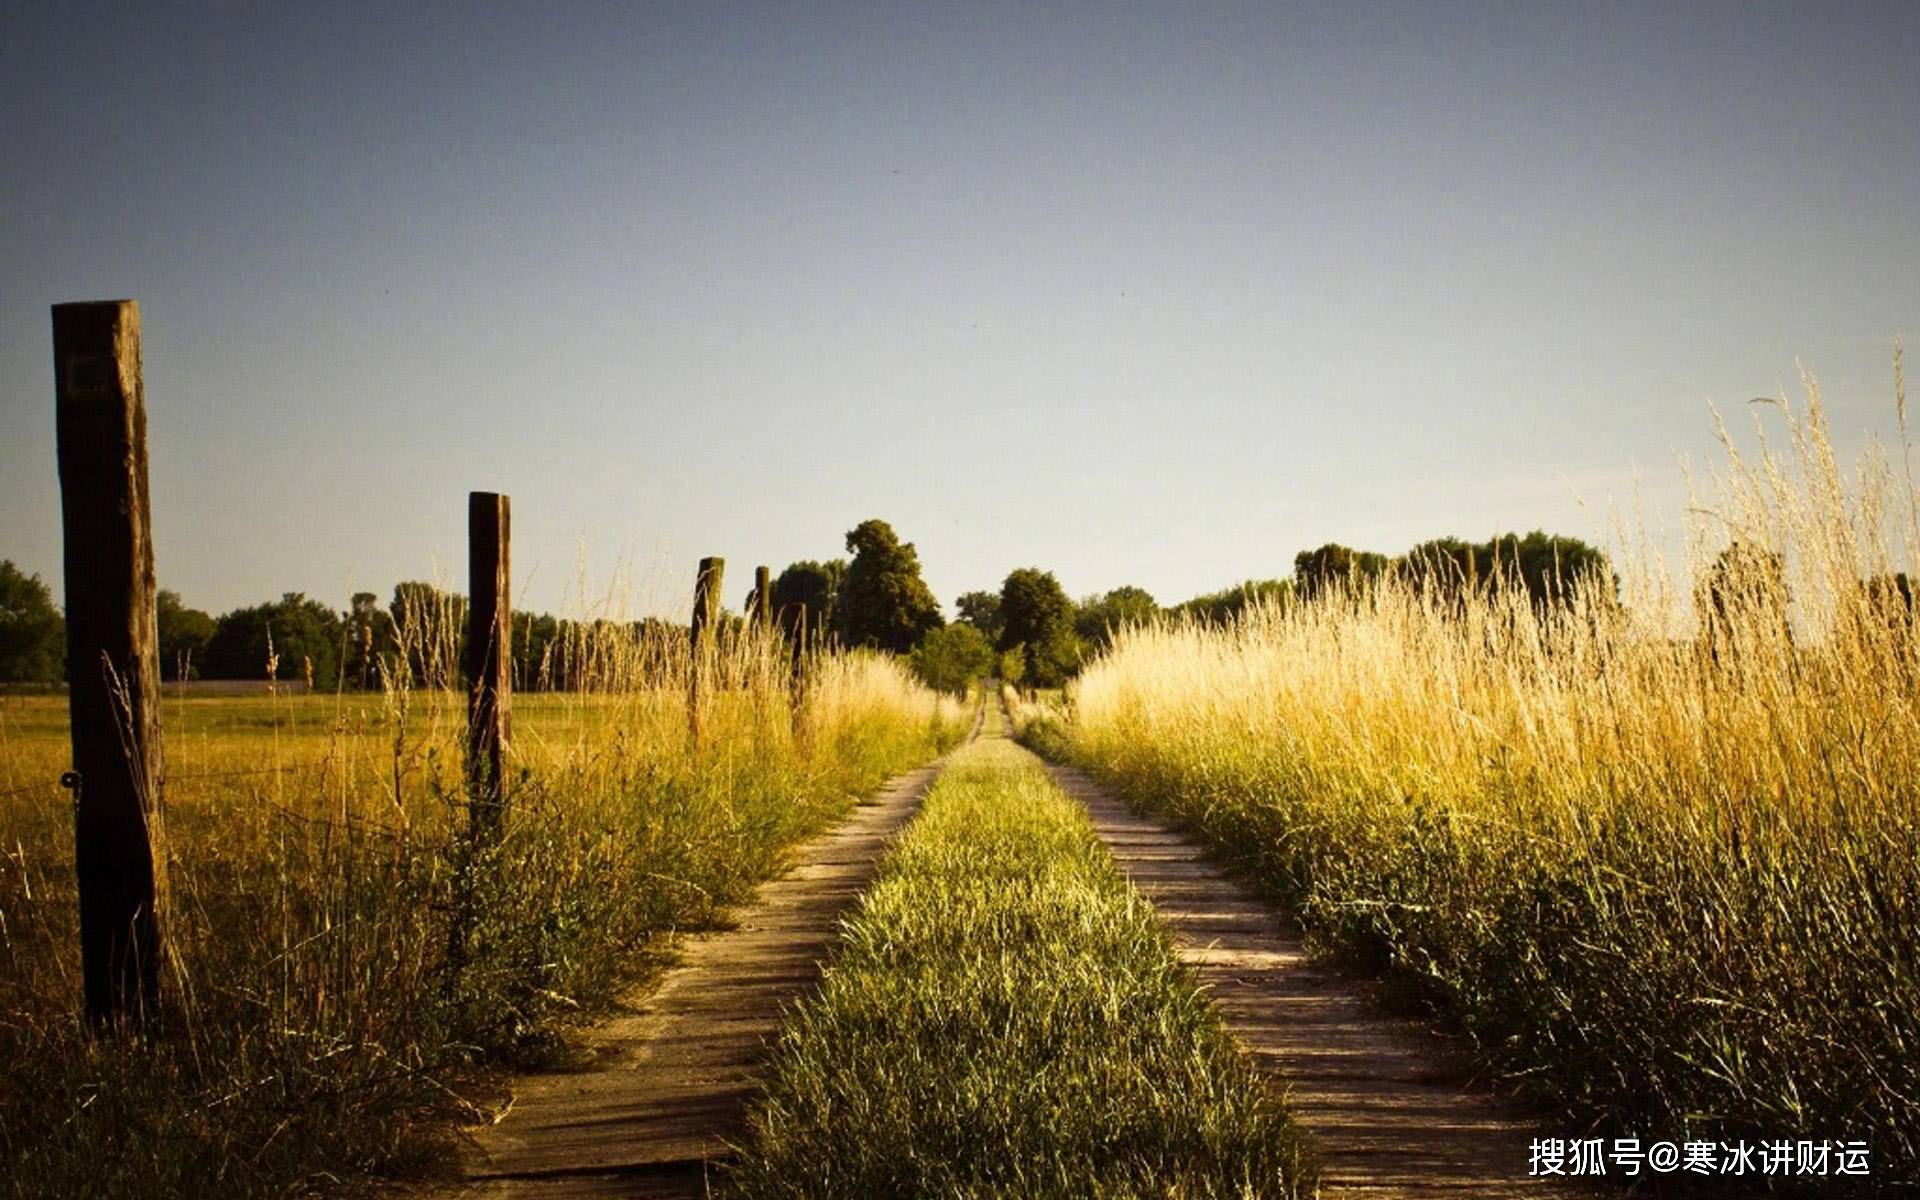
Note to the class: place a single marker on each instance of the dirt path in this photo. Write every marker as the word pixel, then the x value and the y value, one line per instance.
pixel 669 1084
pixel 1388 1114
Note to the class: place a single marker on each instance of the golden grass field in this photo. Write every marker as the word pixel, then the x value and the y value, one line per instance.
pixel 1667 877
pixel 316 1029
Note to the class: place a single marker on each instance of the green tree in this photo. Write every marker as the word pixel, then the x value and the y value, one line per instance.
pixel 1013 665
pixel 1317 572
pixel 952 657
pixel 430 632
pixel 1038 616
pixel 1100 616
pixel 1225 606
pixel 184 634
pixel 289 633
pixel 1446 570
pixel 369 640
pixel 1553 569
pixel 809 587
pixel 33 633
pixel 982 611
pixel 883 602
pixel 536 638
pixel 1742 601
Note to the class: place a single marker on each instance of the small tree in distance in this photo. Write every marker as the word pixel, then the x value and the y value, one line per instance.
pixel 184 634
pixel 1315 572
pixel 1099 616
pixel 883 602
pixel 982 611
pixel 291 632
pixel 1039 617
pixel 1223 606
pixel 810 587
pixel 952 658
pixel 1742 603
pixel 33 633
pixel 1013 666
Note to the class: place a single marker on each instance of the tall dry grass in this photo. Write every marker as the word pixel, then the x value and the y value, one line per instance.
pixel 1669 878
pixel 318 1032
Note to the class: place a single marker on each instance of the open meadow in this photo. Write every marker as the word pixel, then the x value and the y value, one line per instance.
pixel 320 1030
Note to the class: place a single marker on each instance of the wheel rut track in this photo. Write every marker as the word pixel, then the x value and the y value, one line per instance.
pixel 668 1083
pixel 1388 1107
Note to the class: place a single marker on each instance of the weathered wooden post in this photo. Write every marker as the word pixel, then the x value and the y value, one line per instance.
pixel 489 662
pixel 113 665
pixel 797 675
pixel 758 671
pixel 763 598
pixel 706 620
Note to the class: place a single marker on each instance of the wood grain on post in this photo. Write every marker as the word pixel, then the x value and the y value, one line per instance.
pixel 113 665
pixel 706 620
pixel 706 600
pixel 797 677
pixel 489 662
pixel 762 597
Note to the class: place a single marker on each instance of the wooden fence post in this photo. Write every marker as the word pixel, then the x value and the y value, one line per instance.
pixel 113 665
pixel 763 597
pixel 489 662
pixel 706 618
pixel 797 671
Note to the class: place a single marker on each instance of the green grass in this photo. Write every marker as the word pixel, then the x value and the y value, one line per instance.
pixel 1040 723
pixel 1006 1017
pixel 317 1036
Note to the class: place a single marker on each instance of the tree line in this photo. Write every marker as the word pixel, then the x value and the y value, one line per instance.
pixel 418 635
pixel 1029 632
pixel 1041 636
pixel 877 599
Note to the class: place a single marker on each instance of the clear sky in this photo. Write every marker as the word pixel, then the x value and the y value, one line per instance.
pixel 1152 294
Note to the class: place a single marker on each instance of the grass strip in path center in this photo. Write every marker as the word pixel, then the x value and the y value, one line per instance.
pixel 1007 1017
pixel 669 1083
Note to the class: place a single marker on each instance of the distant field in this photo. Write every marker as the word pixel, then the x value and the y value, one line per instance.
pixel 226 741
pixel 238 687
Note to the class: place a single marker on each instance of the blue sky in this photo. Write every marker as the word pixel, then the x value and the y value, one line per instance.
pixel 1152 294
